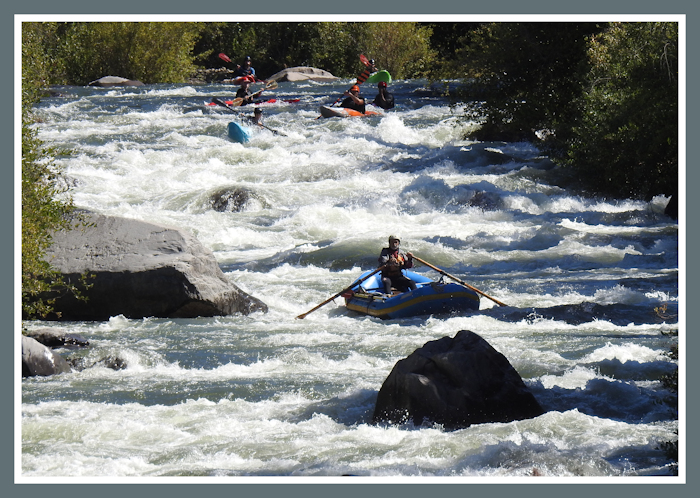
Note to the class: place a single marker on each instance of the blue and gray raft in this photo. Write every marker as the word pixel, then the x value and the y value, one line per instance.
pixel 430 298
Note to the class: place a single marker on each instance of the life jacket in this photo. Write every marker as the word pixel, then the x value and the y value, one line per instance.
pixel 396 270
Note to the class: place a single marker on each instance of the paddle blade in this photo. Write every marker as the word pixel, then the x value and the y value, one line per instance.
pixel 364 60
pixel 224 57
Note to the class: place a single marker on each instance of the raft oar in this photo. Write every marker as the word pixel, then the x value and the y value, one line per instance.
pixel 357 282
pixel 459 281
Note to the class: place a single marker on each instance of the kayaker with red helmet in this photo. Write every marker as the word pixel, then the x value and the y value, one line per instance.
pixel 384 99
pixel 353 99
pixel 394 260
pixel 244 91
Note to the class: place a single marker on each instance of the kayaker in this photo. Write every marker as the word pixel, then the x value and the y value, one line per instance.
pixel 353 100
pixel 244 92
pixel 384 99
pixel 257 117
pixel 395 261
pixel 245 69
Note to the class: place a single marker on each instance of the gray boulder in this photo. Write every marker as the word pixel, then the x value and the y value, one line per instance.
pixel 37 359
pixel 110 81
pixel 455 382
pixel 302 73
pixel 139 270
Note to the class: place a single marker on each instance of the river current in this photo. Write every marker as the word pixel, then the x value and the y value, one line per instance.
pixel 591 287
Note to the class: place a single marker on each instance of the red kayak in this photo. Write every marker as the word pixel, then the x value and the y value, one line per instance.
pixel 343 112
pixel 268 101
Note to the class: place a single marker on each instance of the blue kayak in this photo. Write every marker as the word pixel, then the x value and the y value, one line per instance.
pixel 238 132
pixel 430 298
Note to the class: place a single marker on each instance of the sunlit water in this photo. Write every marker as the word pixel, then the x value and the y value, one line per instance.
pixel 270 395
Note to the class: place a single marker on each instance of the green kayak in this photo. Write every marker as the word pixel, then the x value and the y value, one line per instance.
pixel 379 76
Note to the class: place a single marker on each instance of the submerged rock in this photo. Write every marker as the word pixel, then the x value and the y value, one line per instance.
pixel 455 382
pixel 234 199
pixel 138 270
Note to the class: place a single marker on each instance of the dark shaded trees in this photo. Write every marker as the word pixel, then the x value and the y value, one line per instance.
pixel 600 99
pixel 626 140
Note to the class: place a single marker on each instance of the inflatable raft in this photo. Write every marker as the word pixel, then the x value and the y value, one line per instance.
pixel 430 298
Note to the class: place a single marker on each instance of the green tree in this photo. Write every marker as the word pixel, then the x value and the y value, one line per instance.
pixel 626 142
pixel 447 39
pixel 402 48
pixel 273 46
pixel 152 52
pixel 45 208
pixel 527 77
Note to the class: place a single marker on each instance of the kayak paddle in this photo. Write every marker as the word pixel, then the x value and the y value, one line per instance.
pixel 360 79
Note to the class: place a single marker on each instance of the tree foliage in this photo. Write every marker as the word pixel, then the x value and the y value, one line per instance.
pixel 626 141
pixel 402 48
pixel 528 76
pixel 44 207
pixel 603 98
pixel 151 52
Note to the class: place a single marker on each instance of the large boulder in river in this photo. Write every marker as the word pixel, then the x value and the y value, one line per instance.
pixel 110 81
pixel 139 270
pixel 38 359
pixel 455 382
pixel 303 73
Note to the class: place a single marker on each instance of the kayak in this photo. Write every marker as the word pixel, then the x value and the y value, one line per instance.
pixel 379 76
pixel 343 112
pixel 241 79
pixel 429 298
pixel 238 132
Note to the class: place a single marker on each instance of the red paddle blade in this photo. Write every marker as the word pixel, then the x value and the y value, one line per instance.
pixel 364 60
pixel 225 57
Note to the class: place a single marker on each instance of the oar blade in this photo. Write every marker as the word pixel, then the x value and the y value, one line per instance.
pixel 224 57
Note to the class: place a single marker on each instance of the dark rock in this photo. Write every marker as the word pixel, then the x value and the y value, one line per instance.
pixel 55 338
pixel 671 209
pixel 234 199
pixel 455 382
pixel 139 270
pixel 110 81
pixel 485 200
pixel 37 359
pixel 113 362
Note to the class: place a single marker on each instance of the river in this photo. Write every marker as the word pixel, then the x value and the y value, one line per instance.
pixel 592 288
